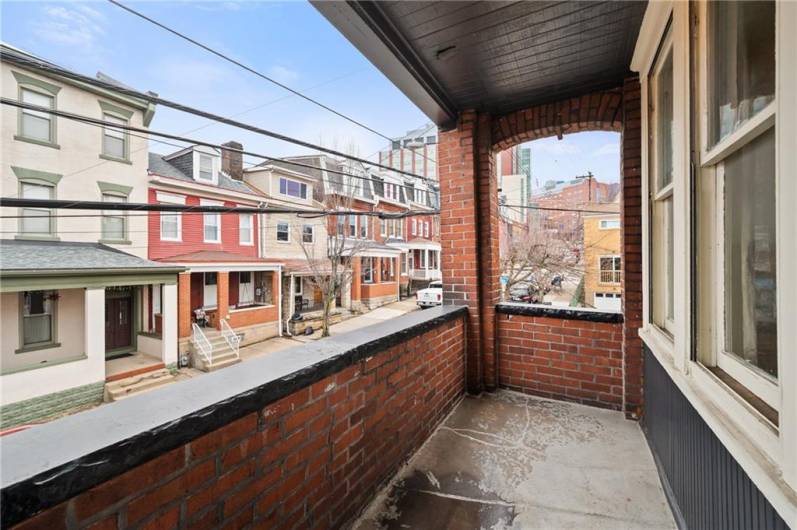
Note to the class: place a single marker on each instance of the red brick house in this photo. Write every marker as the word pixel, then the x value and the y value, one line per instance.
pixel 229 294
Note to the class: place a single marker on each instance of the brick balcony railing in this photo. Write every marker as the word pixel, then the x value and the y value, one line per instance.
pixel 307 435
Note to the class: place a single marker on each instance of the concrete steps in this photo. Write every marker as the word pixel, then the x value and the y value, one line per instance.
pixel 223 355
pixel 137 384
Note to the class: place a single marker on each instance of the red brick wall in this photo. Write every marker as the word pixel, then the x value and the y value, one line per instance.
pixel 572 360
pixel 631 221
pixel 313 459
pixel 252 316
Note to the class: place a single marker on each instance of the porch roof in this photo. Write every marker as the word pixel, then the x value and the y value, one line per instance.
pixel 42 258
pixel 219 260
pixel 414 243
pixel 300 267
pixel 491 56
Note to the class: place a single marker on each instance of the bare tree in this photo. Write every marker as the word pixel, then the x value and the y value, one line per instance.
pixel 331 268
pixel 536 257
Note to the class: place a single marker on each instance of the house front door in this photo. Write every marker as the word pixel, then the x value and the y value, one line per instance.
pixel 118 322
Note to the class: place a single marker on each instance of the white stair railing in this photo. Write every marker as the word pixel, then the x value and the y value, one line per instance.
pixel 202 343
pixel 233 340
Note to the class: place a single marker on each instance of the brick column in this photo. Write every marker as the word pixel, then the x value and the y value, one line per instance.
pixel 222 296
pixel 377 270
pixel 356 278
pixel 632 249
pixel 183 305
pixel 469 237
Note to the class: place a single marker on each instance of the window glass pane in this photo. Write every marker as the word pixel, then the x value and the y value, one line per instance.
pixel 36 124
pixel 211 227
pixel 282 232
pixel 307 234
pixel 113 223
pixel 661 263
pixel 205 167
pixel 37 317
pixel 663 114
pixel 743 65
pixel 36 220
pixel 169 226
pixel 750 279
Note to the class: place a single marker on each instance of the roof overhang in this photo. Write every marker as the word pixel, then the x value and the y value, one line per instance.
pixel 365 25
pixel 229 267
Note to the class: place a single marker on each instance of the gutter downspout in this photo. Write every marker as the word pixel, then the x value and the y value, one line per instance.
pixel 290 305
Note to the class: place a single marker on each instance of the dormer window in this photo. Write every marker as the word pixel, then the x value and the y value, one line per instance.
pixel 205 168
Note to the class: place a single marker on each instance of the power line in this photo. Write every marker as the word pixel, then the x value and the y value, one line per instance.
pixel 60 204
pixel 131 130
pixel 153 98
pixel 252 71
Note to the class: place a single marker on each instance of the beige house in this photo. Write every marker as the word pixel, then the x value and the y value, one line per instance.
pixel 602 257
pixel 299 243
pixel 79 297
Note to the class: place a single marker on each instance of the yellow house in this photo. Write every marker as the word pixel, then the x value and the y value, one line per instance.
pixel 602 251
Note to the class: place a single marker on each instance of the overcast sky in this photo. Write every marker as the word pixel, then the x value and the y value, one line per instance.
pixel 291 42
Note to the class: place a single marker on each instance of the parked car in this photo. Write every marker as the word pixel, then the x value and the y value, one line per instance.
pixel 431 296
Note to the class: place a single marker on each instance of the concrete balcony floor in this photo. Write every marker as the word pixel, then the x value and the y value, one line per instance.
pixel 506 460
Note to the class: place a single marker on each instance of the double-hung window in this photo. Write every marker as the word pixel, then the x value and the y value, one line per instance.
pixel 246 229
pixel 114 141
pixel 114 222
pixel 660 187
pixel 283 232
pixel 415 227
pixel 37 222
pixel 364 228
pixel 205 168
pixel 38 318
pixel 37 125
pixel 210 290
pixel 308 234
pixel 367 273
pixel 383 227
pixel 737 192
pixel 170 223
pixel 352 225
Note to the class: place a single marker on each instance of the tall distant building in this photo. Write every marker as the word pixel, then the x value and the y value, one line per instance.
pixel 514 182
pixel 414 152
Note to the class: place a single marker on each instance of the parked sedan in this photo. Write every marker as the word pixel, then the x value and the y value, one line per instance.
pixel 431 296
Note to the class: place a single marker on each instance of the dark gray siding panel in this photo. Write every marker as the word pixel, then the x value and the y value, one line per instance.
pixel 706 486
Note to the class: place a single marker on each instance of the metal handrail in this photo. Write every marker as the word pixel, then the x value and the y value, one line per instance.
pixel 202 343
pixel 233 340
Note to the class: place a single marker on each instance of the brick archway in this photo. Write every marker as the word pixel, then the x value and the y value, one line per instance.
pixel 469 217
pixel 599 111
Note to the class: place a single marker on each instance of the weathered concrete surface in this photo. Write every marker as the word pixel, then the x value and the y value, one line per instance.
pixel 509 461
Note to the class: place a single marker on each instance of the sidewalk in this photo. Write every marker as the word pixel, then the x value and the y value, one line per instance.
pixel 380 314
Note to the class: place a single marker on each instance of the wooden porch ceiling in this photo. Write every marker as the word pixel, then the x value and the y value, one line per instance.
pixel 491 56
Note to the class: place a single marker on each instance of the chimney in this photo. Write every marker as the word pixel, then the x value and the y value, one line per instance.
pixel 232 161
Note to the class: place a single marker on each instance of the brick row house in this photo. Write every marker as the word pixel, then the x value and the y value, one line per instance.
pixel 229 293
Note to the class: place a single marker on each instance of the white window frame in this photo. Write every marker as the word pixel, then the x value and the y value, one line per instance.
pixel 364 227
pixel 414 226
pixel 287 231
pixel 367 278
pixel 246 290
pixel 251 241
pixel 426 229
pixel 352 226
pixel 765 453
pixel 215 161
pixel 614 272
pixel 383 227
pixel 609 224
pixel 168 198
pixel 210 216
pixel 298 282
pixel 125 136
pixel 114 213
pixel 51 118
pixel 52 229
pixel 286 194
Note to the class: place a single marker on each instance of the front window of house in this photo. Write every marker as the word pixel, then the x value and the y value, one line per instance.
pixel 114 141
pixel 367 273
pixel 609 269
pixel 38 310
pixel 246 288
pixel 293 189
pixel 608 224
pixel 364 228
pixel 37 221
pixel 283 232
pixel 353 226
pixel 212 227
pixel 737 180
pixel 114 222
pixel 245 228
pixel 206 167
pixel 661 188
pixel 308 235
pixel 34 124
pixel 170 226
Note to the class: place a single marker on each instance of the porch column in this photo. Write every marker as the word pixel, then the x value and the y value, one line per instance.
pixel 469 237
pixel 378 270
pixel 631 219
pixel 94 330
pixel 426 259
pixel 169 317
pixel 275 288
pixel 183 310
pixel 356 279
pixel 222 296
